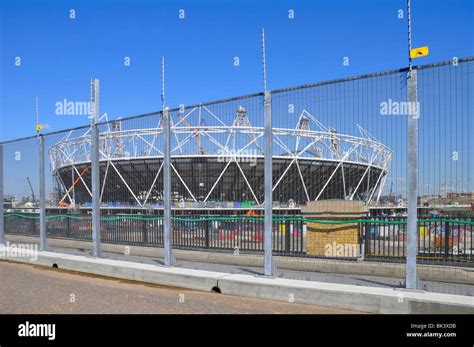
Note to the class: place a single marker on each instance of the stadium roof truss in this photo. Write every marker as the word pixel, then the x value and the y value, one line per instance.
pixel 237 143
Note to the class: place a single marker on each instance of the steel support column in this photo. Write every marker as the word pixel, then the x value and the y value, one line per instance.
pixel 412 184
pixel 95 171
pixel 268 237
pixel 167 190
pixel 42 195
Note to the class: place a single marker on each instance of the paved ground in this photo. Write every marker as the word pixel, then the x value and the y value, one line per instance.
pixel 27 289
pixel 359 280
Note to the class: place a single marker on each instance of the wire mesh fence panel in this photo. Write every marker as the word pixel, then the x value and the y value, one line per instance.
pixel 444 243
pixel 335 148
pixel 68 185
pixel 131 163
pixel 21 188
pixel 217 183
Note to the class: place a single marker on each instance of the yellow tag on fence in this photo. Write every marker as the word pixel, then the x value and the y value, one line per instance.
pixel 39 127
pixel 419 52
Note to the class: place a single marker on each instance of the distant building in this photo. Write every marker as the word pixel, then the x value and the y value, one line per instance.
pixel 9 202
pixel 469 196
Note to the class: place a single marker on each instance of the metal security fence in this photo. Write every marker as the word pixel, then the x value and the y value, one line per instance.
pixel 25 224
pixel 440 241
pixel 338 163
pixel 205 230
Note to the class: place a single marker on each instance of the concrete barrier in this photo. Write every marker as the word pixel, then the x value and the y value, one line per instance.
pixel 156 274
pixel 357 298
pixel 448 274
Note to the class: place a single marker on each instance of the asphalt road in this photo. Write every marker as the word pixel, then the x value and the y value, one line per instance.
pixel 27 289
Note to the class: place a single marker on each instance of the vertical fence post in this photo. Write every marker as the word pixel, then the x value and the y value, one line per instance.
pixel 447 231
pixel 412 192
pixel 208 224
pixel 145 231
pixel 2 221
pixel 68 230
pixel 42 196
pixel 268 238
pixel 95 168
pixel 167 189
pixel 288 248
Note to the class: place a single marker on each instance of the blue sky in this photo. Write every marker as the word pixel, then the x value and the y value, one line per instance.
pixel 60 55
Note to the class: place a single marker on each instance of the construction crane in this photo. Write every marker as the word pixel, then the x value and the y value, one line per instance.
pixel 32 191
